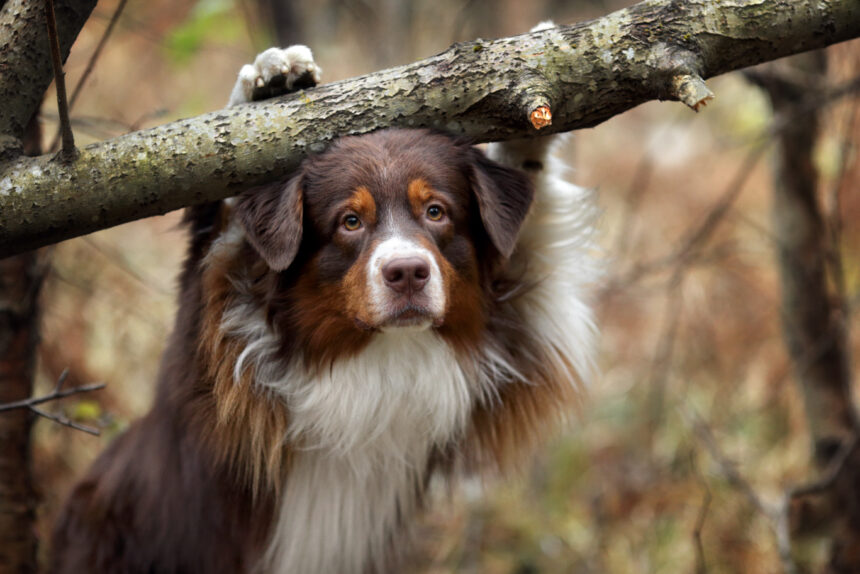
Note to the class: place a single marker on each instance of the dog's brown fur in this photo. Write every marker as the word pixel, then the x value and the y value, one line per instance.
pixel 195 485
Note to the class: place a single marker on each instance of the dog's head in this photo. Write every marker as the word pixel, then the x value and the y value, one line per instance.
pixel 392 230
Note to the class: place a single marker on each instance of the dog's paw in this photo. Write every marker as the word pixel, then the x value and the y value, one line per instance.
pixel 274 72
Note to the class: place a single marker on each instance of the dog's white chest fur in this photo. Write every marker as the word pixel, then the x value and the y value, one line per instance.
pixel 365 429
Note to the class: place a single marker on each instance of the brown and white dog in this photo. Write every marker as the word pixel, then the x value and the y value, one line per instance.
pixel 404 306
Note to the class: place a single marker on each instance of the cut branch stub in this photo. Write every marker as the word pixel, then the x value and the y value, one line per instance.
pixel 541 117
pixel 677 75
pixel 536 89
pixel 691 89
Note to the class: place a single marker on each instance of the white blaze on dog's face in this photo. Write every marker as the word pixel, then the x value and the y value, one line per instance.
pixel 407 289
pixel 393 230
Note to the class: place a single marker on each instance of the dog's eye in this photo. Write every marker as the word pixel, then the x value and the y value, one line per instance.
pixel 351 222
pixel 435 213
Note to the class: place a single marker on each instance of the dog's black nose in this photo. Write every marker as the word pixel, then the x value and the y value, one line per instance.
pixel 406 274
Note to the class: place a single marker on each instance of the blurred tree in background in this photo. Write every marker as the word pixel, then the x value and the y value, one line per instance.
pixel 694 431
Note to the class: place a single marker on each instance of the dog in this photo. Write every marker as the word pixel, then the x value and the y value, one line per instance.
pixel 404 306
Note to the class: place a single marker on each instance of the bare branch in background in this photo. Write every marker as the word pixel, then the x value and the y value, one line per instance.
pixel 55 395
pixel 690 245
pixel 662 360
pixel 638 186
pixel 701 563
pixel 115 257
pixel 65 421
pixel 695 237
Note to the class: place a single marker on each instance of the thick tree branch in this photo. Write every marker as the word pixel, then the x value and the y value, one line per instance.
pixel 25 59
pixel 584 74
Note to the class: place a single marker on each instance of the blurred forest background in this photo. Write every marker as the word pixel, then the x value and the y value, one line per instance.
pixel 695 382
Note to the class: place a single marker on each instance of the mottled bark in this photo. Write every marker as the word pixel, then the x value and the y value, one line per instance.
pixel 584 74
pixel 25 60
pixel 813 327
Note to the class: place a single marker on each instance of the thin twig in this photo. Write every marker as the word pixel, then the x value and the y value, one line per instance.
pixel 55 395
pixel 61 380
pixel 701 564
pixel 115 257
pixel 91 65
pixel 728 468
pixel 69 152
pixel 642 174
pixel 697 237
pixel 699 526
pixel 694 238
pixel 65 421
pixel 121 302
pixel 664 351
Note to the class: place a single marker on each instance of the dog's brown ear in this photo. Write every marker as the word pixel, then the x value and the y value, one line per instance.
pixel 504 197
pixel 272 217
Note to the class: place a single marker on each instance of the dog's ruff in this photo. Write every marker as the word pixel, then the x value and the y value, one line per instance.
pixel 307 397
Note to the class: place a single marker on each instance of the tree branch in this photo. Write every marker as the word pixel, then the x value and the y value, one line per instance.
pixel 53 396
pixel 583 74
pixel 701 563
pixel 66 421
pixel 91 64
pixel 25 59
pixel 58 393
pixel 68 153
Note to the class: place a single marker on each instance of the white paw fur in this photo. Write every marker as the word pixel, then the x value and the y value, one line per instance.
pixel 292 62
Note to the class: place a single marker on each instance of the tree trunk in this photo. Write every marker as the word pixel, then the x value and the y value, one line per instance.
pixel 813 327
pixel 25 74
pixel 20 282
